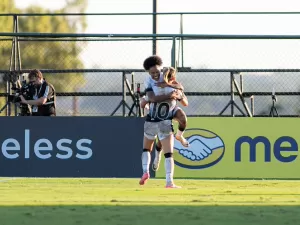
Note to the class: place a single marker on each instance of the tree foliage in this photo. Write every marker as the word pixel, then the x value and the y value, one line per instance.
pixel 48 54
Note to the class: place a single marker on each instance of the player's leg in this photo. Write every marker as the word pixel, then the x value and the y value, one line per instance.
pixel 158 151
pixel 150 130
pixel 181 118
pixel 167 140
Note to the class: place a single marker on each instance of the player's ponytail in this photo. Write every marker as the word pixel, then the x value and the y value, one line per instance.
pixel 172 73
pixel 166 71
pixel 169 73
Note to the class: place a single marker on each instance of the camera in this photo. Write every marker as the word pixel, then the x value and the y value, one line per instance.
pixel 27 91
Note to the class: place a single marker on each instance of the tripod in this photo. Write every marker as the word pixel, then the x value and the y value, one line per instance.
pixel 123 103
pixel 136 103
pixel 14 84
pixel 4 107
pixel 232 103
pixel 273 111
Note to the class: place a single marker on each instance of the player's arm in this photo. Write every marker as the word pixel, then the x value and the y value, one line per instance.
pixel 150 96
pixel 157 98
pixel 176 85
pixel 183 101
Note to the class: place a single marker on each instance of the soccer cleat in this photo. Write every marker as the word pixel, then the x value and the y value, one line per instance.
pixel 155 164
pixel 182 140
pixel 172 185
pixel 144 178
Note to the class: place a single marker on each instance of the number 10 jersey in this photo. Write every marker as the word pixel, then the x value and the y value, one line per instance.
pixel 159 111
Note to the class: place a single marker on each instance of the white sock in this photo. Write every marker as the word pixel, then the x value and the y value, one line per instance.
pixel 157 155
pixel 179 133
pixel 169 166
pixel 146 158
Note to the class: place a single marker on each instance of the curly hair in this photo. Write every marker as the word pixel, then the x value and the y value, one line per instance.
pixel 152 61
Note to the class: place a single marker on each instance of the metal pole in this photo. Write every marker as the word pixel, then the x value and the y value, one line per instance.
pixel 241 82
pixel 124 93
pixel 252 104
pixel 18 44
pixel 12 60
pixel 15 46
pixel 173 53
pixel 8 85
pixel 154 28
pixel 132 81
pixel 232 92
pixel 181 39
pixel 12 54
pixel 15 58
pixel 7 92
pixel 15 55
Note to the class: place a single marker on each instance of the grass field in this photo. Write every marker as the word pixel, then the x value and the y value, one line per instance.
pixel 123 201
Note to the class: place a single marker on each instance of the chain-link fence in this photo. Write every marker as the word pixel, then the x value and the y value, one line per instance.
pixel 87 72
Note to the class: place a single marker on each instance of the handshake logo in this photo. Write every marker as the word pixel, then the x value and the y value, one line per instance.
pixel 205 150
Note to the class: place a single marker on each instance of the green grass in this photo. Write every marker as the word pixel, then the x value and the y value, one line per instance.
pixel 123 201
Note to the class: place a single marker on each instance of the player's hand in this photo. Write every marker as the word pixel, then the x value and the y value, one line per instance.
pixel 173 95
pixel 176 94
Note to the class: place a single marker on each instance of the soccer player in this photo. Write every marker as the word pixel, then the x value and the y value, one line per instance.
pixel 159 120
pixel 169 75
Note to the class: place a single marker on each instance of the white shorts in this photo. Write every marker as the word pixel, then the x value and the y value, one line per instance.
pixel 161 129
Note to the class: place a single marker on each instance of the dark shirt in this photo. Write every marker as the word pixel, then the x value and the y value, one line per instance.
pixel 46 90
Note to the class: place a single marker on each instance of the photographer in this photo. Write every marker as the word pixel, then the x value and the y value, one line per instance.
pixel 44 99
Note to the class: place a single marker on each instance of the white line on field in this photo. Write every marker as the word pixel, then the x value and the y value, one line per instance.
pixel 6 180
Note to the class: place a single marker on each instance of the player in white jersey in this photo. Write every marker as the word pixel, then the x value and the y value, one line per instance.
pixel 159 120
pixel 159 111
pixel 169 75
pixel 180 116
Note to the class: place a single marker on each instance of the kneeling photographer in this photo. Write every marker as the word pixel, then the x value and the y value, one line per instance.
pixel 44 99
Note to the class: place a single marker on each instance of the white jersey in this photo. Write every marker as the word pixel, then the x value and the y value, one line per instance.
pixel 160 111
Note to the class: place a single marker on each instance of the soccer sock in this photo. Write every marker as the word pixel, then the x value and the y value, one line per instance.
pixel 146 160
pixel 157 152
pixel 180 131
pixel 169 167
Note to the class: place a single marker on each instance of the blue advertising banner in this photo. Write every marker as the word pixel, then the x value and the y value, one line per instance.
pixel 71 146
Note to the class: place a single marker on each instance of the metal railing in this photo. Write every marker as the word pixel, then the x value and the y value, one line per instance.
pixel 154 15
pixel 204 99
pixel 105 99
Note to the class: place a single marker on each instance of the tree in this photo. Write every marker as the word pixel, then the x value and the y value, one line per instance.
pixel 6 25
pixel 6 22
pixel 47 54
pixel 54 54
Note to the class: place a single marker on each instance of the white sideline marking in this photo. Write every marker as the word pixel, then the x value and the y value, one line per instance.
pixel 6 180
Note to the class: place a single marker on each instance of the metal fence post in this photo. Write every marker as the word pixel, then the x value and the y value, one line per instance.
pixel 173 53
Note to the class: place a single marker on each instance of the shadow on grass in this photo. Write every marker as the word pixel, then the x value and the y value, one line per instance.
pixel 148 215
